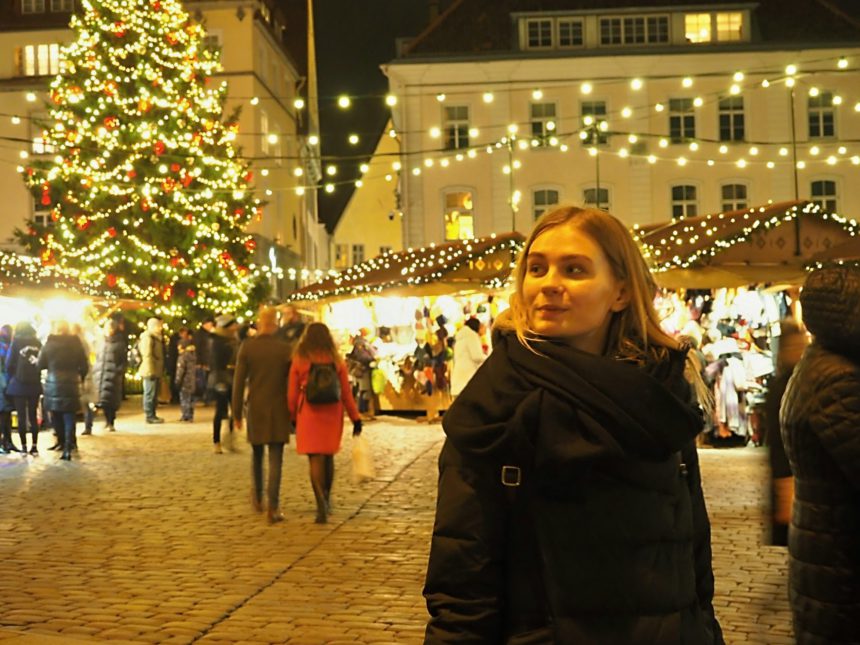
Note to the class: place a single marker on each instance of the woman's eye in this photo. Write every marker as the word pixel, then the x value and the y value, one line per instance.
pixel 573 269
pixel 535 268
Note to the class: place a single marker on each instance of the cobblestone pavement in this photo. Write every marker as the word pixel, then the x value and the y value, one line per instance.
pixel 149 537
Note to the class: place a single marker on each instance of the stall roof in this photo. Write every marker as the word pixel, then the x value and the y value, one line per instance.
pixel 742 247
pixel 449 267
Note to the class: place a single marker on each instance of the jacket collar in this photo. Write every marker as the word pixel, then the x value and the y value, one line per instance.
pixel 566 404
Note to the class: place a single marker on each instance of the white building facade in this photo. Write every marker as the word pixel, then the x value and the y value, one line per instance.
pixel 650 113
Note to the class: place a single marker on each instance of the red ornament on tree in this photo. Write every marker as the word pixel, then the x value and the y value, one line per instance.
pixel 159 147
pixel 156 5
pixel 111 232
pixel 251 244
pixel 174 167
pixel 131 174
pixel 190 293
pixel 250 176
pixel 186 180
pixel 111 122
pixel 119 29
pixel 110 278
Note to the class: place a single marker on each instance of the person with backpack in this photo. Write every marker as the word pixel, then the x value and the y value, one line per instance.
pixel 222 361
pixel 318 391
pixel 25 382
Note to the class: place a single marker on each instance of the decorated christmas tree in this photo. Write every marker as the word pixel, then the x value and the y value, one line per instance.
pixel 148 196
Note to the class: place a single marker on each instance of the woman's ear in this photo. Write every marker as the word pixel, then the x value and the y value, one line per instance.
pixel 622 299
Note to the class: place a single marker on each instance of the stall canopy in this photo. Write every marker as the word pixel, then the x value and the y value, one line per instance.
pixel 771 243
pixel 436 269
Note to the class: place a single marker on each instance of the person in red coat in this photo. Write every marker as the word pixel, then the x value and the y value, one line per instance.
pixel 319 426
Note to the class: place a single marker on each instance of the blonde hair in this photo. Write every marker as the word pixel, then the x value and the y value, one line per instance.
pixel 316 339
pixel 635 331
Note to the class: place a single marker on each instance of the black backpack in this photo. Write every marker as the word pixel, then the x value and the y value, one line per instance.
pixel 323 384
pixel 27 368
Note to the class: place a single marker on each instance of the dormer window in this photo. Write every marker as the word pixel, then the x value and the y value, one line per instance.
pixel 634 30
pixel 722 27
pixel 553 33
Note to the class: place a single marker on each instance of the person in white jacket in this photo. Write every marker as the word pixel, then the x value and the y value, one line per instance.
pixel 468 355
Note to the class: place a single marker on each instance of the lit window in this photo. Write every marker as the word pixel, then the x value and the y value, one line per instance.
pixel 275 148
pixel 729 27
pixel 357 253
pixel 541 114
pixel 264 132
pixel 684 203
pixel 539 33
pixel 459 224
pixel 682 120
pixel 40 60
pixel 824 195
pixel 732 118
pixel 697 27
pixel 32 6
pixel 542 200
pixel 341 256
pixel 456 127
pixel 596 198
pixel 822 116
pixel 42 147
pixel 570 33
pixel 734 197
pixel 63 6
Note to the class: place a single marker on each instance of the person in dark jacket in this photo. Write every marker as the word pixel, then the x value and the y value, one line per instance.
pixel 202 340
pixel 25 382
pixel 66 362
pixel 820 419
pixel 108 373
pixel 6 403
pixel 792 342
pixel 222 361
pixel 186 373
pixel 570 507
pixel 264 363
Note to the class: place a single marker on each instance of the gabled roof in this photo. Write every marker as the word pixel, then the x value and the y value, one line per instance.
pixel 486 27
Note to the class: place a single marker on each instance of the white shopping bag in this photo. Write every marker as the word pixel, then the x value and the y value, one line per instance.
pixel 362 460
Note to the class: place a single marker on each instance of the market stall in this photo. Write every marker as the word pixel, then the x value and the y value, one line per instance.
pixel 729 279
pixel 407 307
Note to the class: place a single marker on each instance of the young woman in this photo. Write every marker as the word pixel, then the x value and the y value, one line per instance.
pixel 319 426
pixel 570 507
pixel 25 382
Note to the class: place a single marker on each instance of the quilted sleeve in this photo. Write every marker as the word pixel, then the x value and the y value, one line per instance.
pixel 464 584
pixel 836 423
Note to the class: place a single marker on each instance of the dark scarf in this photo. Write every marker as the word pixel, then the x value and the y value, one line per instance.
pixel 566 405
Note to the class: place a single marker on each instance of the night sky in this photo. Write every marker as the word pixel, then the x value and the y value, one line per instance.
pixel 355 37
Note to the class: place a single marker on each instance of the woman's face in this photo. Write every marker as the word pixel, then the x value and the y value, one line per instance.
pixel 569 289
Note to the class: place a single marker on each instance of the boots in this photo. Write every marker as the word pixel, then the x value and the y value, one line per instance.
pixel 68 444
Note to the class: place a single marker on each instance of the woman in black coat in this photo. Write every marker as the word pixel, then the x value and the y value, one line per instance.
pixel 64 358
pixel 820 418
pixel 108 373
pixel 570 507
pixel 25 382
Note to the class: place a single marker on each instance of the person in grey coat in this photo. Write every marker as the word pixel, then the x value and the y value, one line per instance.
pixel 263 364
pixel 109 371
pixel 151 367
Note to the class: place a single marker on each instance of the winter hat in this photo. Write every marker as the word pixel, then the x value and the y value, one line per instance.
pixel 224 320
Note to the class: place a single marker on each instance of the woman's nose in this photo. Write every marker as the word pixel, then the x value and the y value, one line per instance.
pixel 551 281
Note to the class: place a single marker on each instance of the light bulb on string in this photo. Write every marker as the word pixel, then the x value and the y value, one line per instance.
pixel 842 63
pixel 390 100
pixel 488 97
pixel 343 101
pixel 636 84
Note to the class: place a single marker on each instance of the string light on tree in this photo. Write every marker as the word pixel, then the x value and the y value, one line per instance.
pixel 161 216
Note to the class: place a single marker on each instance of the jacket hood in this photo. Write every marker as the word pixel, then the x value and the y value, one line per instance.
pixel 831 308
pixel 566 405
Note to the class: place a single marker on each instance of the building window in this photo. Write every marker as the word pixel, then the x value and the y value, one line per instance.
pixel 212 41
pixel 41 146
pixel 456 127
pixel 824 195
pixel 32 6
pixel 357 253
pixel 264 132
pixel 542 116
pixel 710 27
pixel 732 118
pixel 592 114
pixel 682 120
pixel 684 202
pixel 62 6
pixel 459 224
pixel 570 33
pixel 341 256
pixel 544 199
pixel 734 197
pixel 384 249
pixel 634 30
pixel 40 60
pixel 822 116
pixel 596 198
pixel 539 33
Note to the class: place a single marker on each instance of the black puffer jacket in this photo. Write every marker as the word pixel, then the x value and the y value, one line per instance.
pixel 109 370
pixel 820 419
pixel 606 540
pixel 64 357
